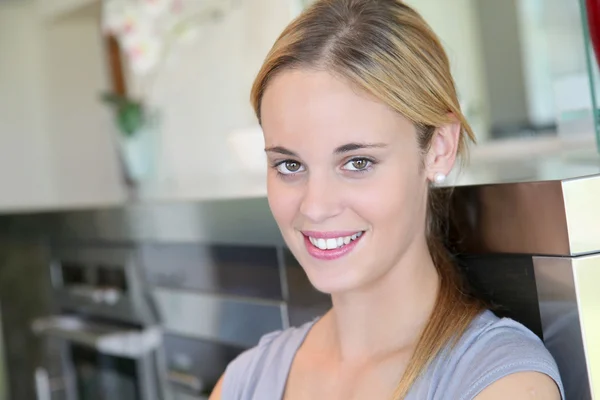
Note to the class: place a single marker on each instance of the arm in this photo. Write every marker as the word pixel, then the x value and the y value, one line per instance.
pixel 216 393
pixel 522 386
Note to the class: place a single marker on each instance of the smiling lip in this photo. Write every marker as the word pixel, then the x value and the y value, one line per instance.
pixel 331 254
pixel 328 235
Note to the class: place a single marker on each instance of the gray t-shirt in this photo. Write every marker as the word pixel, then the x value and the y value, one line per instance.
pixel 489 350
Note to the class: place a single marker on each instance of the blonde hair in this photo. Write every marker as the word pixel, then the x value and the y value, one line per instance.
pixel 385 48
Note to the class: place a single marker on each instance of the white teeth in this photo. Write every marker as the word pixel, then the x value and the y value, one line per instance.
pixel 322 244
pixel 333 243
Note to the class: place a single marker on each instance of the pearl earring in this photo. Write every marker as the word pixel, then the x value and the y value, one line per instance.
pixel 439 178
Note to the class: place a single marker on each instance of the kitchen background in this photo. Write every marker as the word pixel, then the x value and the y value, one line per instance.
pixel 181 202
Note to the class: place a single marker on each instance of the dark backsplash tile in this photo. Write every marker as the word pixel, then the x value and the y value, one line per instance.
pixel 224 319
pixel 304 302
pixel 201 359
pixel 247 271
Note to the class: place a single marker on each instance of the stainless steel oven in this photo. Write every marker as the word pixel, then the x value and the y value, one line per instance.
pixel 105 337
pixel 533 250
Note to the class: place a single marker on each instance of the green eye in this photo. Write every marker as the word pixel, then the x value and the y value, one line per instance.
pixel 292 166
pixel 358 164
pixel 289 167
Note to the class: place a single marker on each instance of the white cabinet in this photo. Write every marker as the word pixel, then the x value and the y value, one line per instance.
pixel 82 135
pixel 55 9
pixel 24 161
pixel 56 145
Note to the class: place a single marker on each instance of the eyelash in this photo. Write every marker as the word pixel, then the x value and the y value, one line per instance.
pixel 370 164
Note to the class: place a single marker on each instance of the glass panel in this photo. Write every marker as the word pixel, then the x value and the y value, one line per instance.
pixel 101 377
pixel 555 69
pixel 73 274
pixel 112 277
pixel 591 22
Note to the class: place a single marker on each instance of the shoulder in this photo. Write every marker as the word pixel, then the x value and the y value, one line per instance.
pixel 522 385
pixel 491 349
pixel 267 363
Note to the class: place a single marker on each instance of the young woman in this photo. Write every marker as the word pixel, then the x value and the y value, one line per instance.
pixel 360 118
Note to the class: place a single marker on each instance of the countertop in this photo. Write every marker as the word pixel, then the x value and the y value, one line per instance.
pixel 514 160
pixel 528 160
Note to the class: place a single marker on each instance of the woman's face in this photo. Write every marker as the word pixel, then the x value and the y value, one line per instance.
pixel 346 182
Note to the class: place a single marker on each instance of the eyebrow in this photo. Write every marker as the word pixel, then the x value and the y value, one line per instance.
pixel 346 148
pixel 358 146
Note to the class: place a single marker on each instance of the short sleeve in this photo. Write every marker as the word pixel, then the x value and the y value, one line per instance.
pixel 239 374
pixel 501 349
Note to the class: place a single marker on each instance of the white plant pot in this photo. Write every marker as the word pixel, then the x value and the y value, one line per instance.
pixel 139 154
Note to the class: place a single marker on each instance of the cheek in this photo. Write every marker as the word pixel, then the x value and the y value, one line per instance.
pixel 396 201
pixel 380 207
pixel 282 201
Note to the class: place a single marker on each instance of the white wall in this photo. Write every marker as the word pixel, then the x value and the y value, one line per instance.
pixel 205 93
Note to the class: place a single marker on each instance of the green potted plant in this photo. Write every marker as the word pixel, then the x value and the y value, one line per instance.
pixel 137 127
pixel 146 33
pixel 130 115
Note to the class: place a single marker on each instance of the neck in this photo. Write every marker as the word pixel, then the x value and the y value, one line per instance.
pixel 388 315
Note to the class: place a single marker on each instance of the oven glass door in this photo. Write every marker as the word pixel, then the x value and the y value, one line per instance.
pixel 103 361
pixel 103 377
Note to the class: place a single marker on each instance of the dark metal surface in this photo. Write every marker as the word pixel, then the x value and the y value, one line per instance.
pixel 559 311
pixel 230 320
pixel 543 218
pixel 507 283
pixel 250 271
pixel 203 359
pixel 86 295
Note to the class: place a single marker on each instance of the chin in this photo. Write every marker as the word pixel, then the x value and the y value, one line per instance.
pixel 344 274
pixel 333 279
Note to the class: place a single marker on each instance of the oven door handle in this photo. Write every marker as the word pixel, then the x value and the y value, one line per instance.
pixel 42 385
pixel 104 338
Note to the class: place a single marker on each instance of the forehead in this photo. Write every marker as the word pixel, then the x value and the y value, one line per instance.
pixel 305 104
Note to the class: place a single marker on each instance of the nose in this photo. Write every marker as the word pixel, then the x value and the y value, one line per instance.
pixel 321 199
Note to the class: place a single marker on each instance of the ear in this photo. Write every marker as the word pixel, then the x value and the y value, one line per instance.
pixel 442 150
